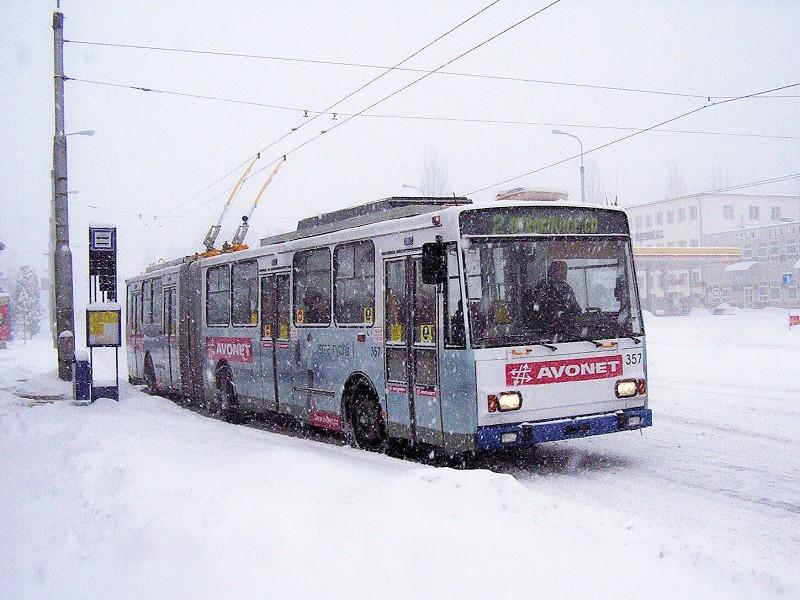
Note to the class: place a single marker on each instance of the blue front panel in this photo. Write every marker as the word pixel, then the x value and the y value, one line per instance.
pixel 528 434
pixel 457 390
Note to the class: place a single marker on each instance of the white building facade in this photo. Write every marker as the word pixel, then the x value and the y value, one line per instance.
pixel 705 223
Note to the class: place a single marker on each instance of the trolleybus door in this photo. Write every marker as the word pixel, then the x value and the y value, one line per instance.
pixel 171 333
pixel 136 333
pixel 410 347
pixel 276 368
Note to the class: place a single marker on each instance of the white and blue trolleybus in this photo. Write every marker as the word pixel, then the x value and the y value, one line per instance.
pixel 431 320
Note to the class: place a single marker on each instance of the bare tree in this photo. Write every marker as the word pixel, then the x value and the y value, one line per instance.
pixel 720 178
pixel 595 190
pixel 675 184
pixel 434 174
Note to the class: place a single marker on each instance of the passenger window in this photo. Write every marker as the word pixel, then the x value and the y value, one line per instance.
pixel 454 333
pixel 354 291
pixel 283 307
pixel 425 367
pixel 218 296
pixel 396 368
pixel 424 313
pixel 245 294
pixel 312 287
pixel 267 306
pixel 395 309
pixel 156 305
pixel 147 302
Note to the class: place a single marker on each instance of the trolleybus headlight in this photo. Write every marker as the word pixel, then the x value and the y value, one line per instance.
pixel 509 401
pixel 626 388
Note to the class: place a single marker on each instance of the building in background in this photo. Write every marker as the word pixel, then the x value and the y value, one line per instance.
pixel 735 248
pixel 768 271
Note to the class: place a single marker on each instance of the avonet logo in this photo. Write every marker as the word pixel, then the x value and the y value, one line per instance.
pixel 231 349
pixel 559 371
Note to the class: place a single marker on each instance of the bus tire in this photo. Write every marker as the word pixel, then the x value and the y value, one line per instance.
pixel 225 406
pixel 150 377
pixel 366 420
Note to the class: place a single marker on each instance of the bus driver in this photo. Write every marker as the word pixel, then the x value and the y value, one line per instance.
pixel 554 307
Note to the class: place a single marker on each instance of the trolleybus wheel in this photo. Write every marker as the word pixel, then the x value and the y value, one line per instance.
pixel 368 427
pixel 225 405
pixel 150 377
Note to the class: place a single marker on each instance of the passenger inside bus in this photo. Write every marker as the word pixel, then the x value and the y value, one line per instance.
pixel 552 304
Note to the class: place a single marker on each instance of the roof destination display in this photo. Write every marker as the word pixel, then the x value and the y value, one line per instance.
pixel 543 220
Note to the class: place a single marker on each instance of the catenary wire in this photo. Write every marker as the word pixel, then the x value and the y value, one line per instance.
pixel 615 88
pixel 739 186
pixel 345 97
pixel 631 135
pixel 392 94
pixel 421 117
pixel 293 129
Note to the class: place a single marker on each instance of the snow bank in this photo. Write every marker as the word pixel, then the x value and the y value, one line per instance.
pixel 143 499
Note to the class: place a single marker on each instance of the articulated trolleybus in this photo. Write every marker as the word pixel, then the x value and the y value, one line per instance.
pixel 430 320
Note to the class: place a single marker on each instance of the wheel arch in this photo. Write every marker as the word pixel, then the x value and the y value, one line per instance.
pixel 222 368
pixel 356 379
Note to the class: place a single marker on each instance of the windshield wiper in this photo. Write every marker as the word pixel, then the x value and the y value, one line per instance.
pixel 630 337
pixel 548 346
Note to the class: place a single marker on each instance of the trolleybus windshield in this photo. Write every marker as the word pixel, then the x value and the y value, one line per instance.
pixel 549 290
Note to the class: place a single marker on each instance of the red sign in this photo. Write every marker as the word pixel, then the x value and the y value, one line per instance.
pixel 559 371
pixel 326 420
pixel 230 349
pixel 793 320
pixel 136 341
pixel 5 327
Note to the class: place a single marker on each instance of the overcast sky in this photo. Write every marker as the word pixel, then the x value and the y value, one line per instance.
pixel 153 152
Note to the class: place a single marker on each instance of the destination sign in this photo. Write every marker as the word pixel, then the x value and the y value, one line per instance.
pixel 543 220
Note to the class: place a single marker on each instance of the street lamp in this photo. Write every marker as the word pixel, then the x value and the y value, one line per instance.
pixel 84 132
pixel 583 189
pixel 413 187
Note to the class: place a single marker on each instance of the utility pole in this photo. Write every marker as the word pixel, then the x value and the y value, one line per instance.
pixel 62 256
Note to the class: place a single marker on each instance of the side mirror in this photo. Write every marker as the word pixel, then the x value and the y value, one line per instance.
pixel 434 263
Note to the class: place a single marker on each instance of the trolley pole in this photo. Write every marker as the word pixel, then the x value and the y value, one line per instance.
pixel 62 255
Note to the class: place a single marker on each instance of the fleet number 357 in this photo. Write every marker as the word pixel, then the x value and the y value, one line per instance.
pixel 633 359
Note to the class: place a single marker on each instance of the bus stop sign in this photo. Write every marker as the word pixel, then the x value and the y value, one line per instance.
pixel 103 258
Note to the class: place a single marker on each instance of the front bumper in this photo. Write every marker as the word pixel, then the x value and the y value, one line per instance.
pixel 529 433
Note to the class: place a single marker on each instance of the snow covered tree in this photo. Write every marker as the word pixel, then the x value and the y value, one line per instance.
pixel 25 303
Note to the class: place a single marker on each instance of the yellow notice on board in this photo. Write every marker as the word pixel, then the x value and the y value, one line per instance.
pixel 299 315
pixel 283 331
pixel 426 333
pixel 501 314
pixel 396 333
pixel 368 316
pixel 104 327
pixel 267 331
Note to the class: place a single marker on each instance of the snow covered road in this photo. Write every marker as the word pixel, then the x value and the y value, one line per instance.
pixel 144 499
